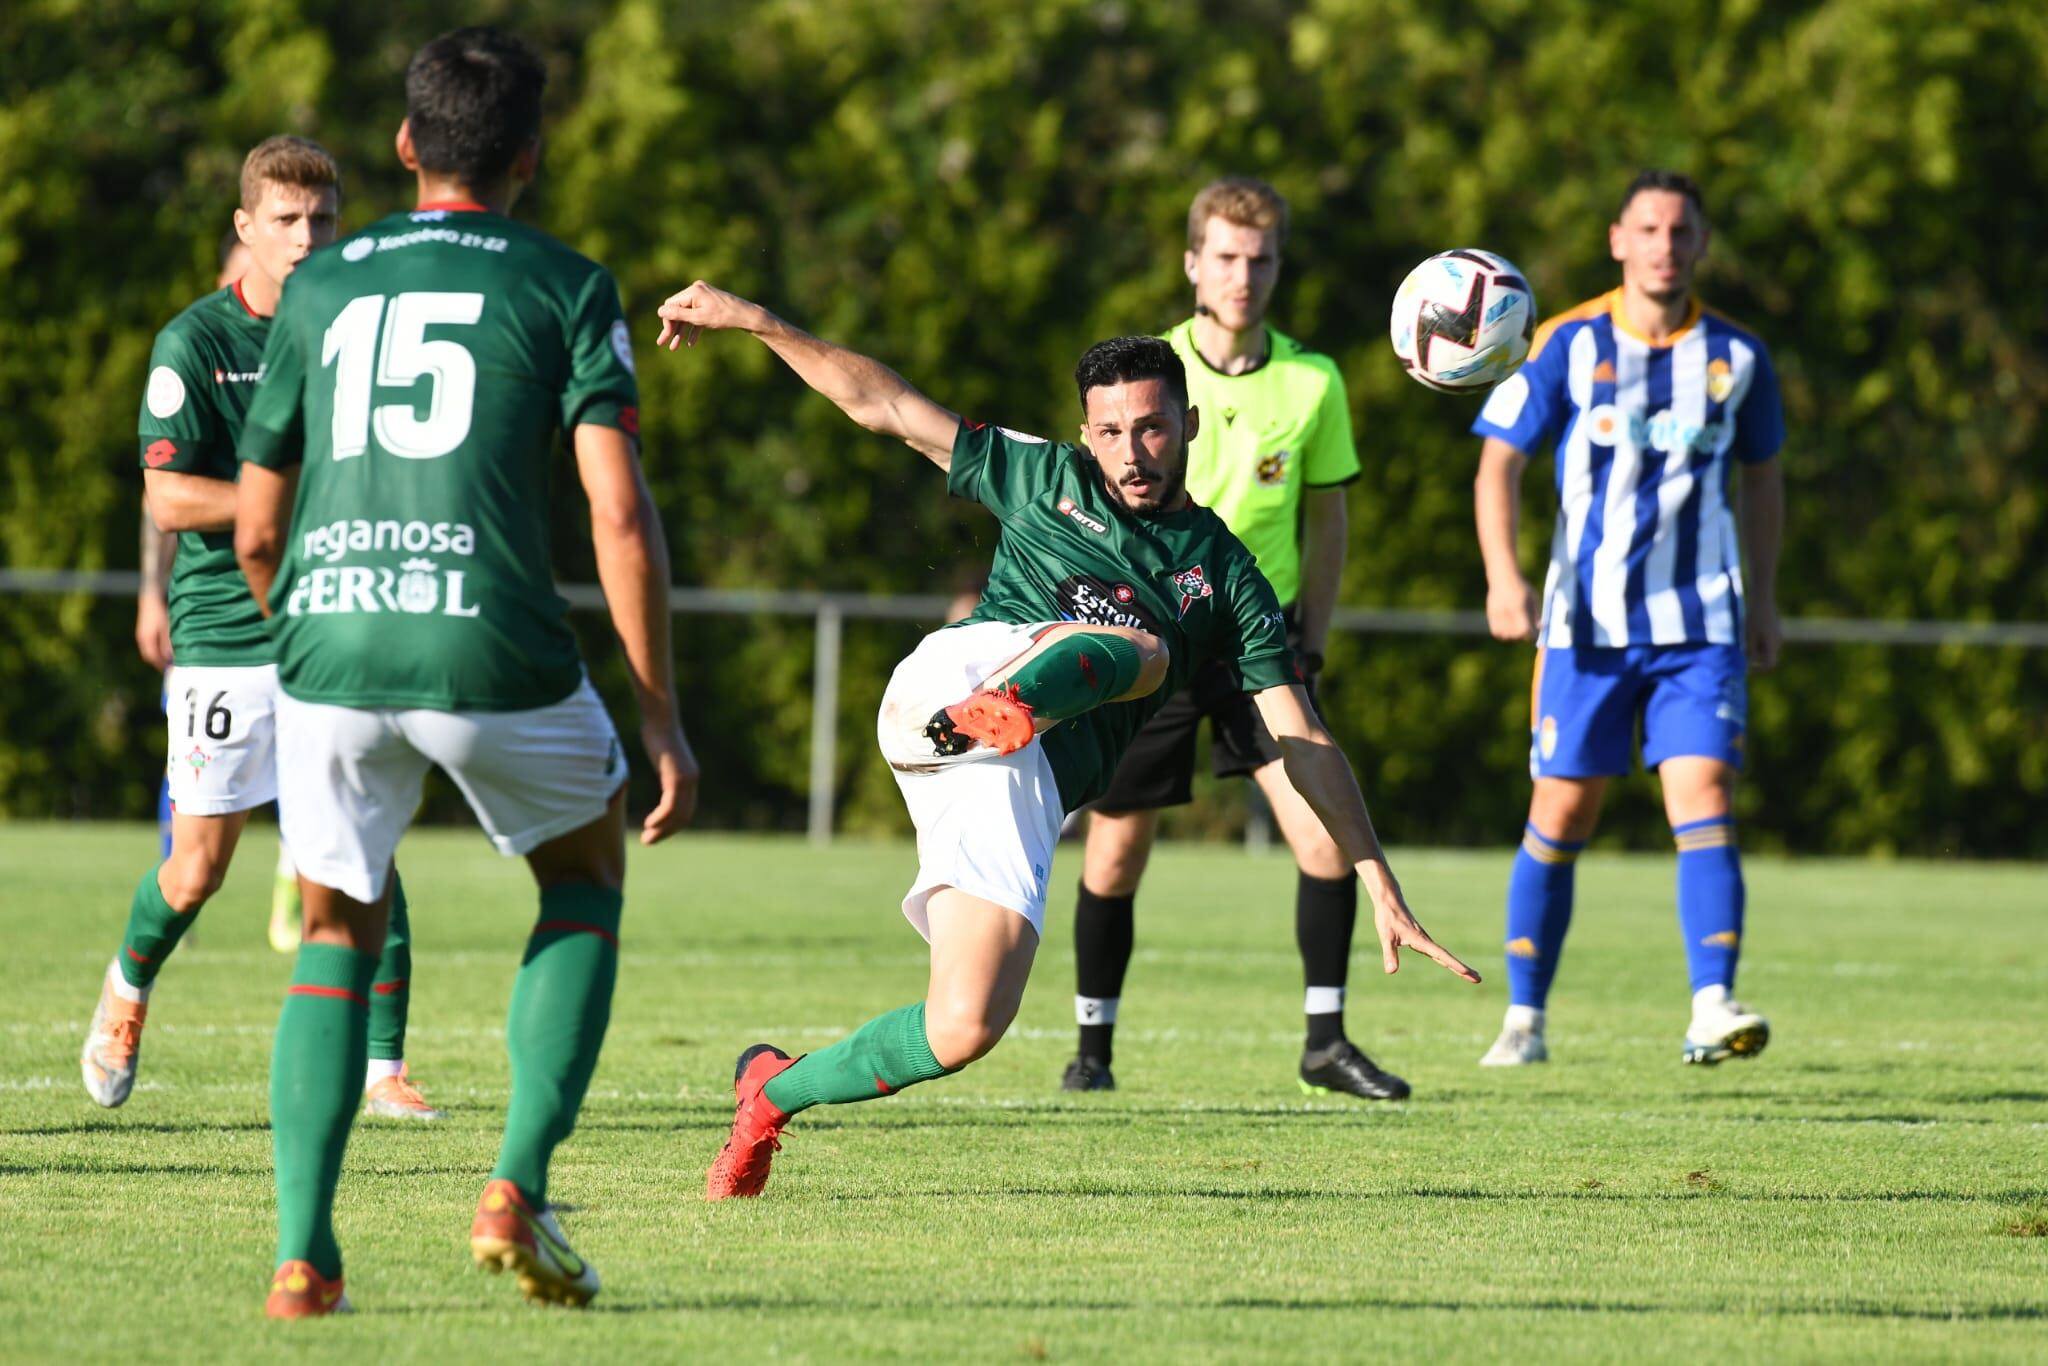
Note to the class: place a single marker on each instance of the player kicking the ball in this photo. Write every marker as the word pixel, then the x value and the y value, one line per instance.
pixel 220 694
pixel 1653 403
pixel 1110 589
pixel 413 387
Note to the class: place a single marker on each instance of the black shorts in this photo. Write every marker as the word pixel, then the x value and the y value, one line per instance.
pixel 1159 767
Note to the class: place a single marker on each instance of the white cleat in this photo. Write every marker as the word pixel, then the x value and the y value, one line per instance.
pixel 1516 1048
pixel 113 1045
pixel 1723 1030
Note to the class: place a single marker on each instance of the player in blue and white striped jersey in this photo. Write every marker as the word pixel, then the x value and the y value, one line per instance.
pixel 1653 404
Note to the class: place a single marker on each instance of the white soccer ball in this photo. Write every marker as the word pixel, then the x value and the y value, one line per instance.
pixel 1463 320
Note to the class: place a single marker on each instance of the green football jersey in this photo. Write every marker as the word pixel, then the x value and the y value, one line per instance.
pixel 1069 551
pixel 418 373
pixel 1266 435
pixel 202 375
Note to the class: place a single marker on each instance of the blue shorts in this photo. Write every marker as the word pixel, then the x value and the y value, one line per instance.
pixel 1691 700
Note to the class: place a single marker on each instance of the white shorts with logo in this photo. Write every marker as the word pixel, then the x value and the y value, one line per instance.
pixel 222 724
pixel 350 779
pixel 986 823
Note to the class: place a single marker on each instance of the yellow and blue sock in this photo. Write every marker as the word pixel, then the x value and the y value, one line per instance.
pixel 1539 913
pixel 1710 899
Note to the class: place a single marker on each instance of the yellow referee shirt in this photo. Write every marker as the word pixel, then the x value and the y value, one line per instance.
pixel 1265 436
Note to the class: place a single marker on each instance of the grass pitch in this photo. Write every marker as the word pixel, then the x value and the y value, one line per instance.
pixel 1875 1186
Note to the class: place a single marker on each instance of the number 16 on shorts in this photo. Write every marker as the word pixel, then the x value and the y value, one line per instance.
pixel 222 755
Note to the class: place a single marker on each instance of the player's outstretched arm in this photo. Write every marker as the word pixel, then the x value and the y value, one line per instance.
pixel 633 567
pixel 866 390
pixel 1320 772
pixel 263 518
pixel 189 502
pixel 1497 507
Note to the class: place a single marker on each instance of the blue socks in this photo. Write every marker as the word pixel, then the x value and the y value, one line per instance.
pixel 1710 899
pixel 1539 913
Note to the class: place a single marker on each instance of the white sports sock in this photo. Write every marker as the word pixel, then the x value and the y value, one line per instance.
pixel 139 995
pixel 1322 1001
pixel 285 866
pixel 1709 999
pixel 1524 1017
pixel 381 1068
pixel 1095 1010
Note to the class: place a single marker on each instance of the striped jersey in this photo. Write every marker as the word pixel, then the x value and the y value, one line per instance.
pixel 1647 435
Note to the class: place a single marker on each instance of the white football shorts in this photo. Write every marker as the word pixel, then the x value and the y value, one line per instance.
pixel 350 779
pixel 222 724
pixel 986 823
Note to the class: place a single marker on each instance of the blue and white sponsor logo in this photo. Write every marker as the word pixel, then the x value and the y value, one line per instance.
pixel 1662 431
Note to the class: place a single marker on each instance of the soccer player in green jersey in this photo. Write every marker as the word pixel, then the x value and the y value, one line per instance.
pixel 153 642
pixel 220 693
pixel 413 389
pixel 1111 590
pixel 1272 458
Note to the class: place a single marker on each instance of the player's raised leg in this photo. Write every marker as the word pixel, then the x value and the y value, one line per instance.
pixel 166 903
pixel 981 955
pixel 1325 914
pixel 561 1005
pixel 1069 669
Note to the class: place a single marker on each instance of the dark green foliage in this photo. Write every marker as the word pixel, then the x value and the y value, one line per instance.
pixel 974 192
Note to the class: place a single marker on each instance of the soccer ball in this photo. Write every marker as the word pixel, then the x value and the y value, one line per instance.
pixel 1462 320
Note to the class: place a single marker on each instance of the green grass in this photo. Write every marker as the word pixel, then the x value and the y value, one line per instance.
pixel 1876 1186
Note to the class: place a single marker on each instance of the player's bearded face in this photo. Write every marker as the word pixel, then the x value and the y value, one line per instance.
pixel 287 224
pixel 1234 273
pixel 1138 433
pixel 1659 241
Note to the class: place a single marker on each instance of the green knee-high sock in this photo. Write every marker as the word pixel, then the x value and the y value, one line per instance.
pixel 880 1058
pixel 560 1006
pixel 316 1078
pixel 154 929
pixel 391 993
pixel 1077 673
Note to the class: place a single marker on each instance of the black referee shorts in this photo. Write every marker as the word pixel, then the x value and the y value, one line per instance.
pixel 1159 767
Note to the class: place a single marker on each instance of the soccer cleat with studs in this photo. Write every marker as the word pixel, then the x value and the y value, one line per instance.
pixel 1341 1068
pixel 1087 1074
pixel 509 1235
pixel 741 1168
pixel 1728 1030
pixel 297 1291
pixel 1516 1047
pixel 996 718
pixel 395 1097
pixel 113 1045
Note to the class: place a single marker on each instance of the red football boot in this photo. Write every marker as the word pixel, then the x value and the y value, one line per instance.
pixel 297 1291
pixel 995 718
pixel 741 1168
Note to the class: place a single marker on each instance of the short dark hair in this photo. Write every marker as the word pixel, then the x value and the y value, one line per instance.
pixel 1123 359
pixel 1672 182
pixel 472 98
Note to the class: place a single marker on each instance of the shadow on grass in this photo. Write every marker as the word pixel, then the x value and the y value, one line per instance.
pixel 711 1304
pixel 117 1126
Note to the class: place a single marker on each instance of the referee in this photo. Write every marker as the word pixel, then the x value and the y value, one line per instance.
pixel 1272 458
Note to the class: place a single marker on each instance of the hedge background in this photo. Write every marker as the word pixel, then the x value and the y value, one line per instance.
pixel 974 191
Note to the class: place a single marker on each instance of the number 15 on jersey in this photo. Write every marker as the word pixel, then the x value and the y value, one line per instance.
pixel 404 358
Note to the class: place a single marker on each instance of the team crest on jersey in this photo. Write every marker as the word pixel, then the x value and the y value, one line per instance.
pixel 1192 587
pixel 199 759
pixel 419 588
pixel 1720 380
pixel 1273 468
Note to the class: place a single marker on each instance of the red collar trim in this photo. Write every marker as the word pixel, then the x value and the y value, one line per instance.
pixel 243 300
pixel 452 206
